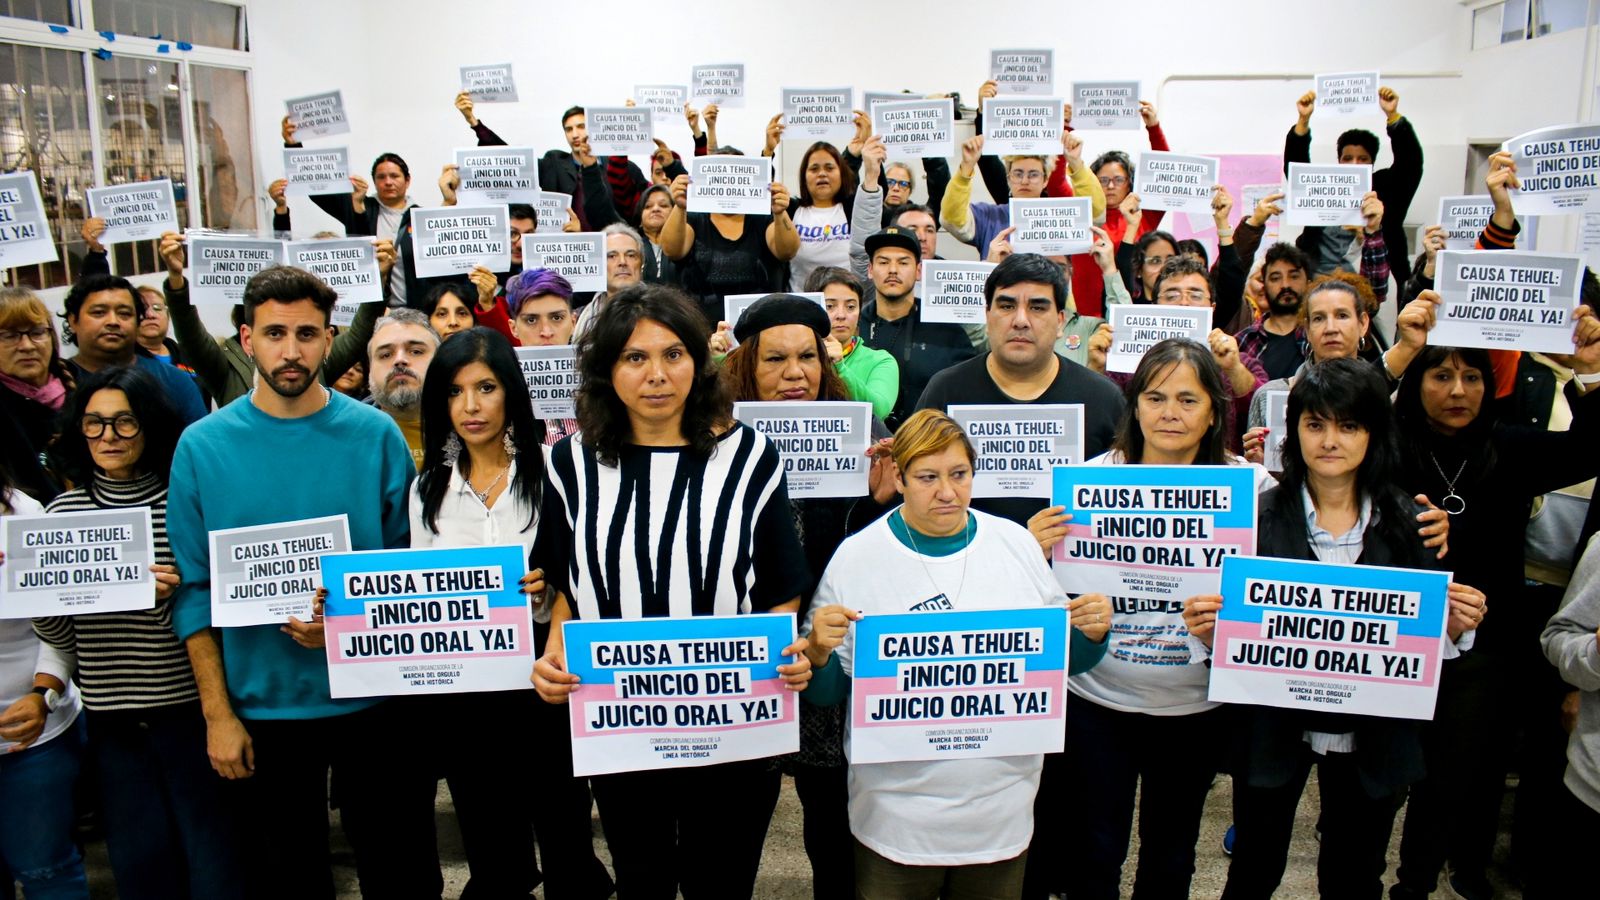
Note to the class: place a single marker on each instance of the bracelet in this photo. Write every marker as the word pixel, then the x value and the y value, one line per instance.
pixel 1224 234
pixel 1592 378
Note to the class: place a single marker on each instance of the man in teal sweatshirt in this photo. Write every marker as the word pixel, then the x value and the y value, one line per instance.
pixel 296 450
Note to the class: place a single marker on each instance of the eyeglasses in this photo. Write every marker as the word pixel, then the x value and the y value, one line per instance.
pixel 37 334
pixel 123 426
pixel 154 308
pixel 1155 262
pixel 1114 181
pixel 1019 175
pixel 1174 295
pixel 897 183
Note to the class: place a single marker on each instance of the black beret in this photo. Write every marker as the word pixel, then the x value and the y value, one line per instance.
pixel 782 309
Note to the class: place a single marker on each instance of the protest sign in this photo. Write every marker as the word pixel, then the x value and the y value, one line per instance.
pixel 318 115
pixel 722 84
pixel 662 99
pixel 1019 444
pixel 220 265
pixel 136 212
pixel 1324 195
pixel 734 305
pixel 313 172
pixel 621 130
pixel 958 685
pixel 1025 127
pixel 551 211
pixel 578 256
pixel 1250 196
pixel 915 128
pixel 1023 71
pixel 953 291
pixel 1364 640
pixel 675 693
pixel 552 379
pixel 489 84
pixel 442 621
pixel 1105 105
pixel 491 175
pixel 822 114
pixel 69 564
pixel 24 233
pixel 1277 430
pixel 1589 240
pixel 1463 219
pixel 1135 329
pixel 348 265
pixel 1506 300
pixel 1156 533
pixel 730 184
pixel 823 444
pixel 452 240
pixel 263 574
pixel 1175 182
pixel 1348 94
pixel 873 98
pixel 1559 170
pixel 1052 227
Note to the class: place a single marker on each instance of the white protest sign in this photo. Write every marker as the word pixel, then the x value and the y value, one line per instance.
pixel 1250 196
pixel 313 172
pixel 68 564
pixel 662 99
pixel 1559 168
pixel 1105 105
pixel 1135 329
pixel 318 115
pixel 24 234
pixel 1023 71
pixel 550 211
pixel 730 184
pixel 1348 94
pixel 1025 127
pixel 823 444
pixel 1177 183
pixel 953 291
pixel 916 128
pixel 1324 195
pixel 263 574
pixel 1463 219
pixel 620 130
pixel 497 175
pixel 823 114
pixel 1589 240
pixel 453 240
pixel 1277 430
pixel 135 212
pixel 348 265
pixel 489 84
pixel 1020 444
pixel 722 84
pixel 873 98
pixel 579 257
pixel 734 305
pixel 1506 300
pixel 551 376
pixel 220 265
pixel 1053 226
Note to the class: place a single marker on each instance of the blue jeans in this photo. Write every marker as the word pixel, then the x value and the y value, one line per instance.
pixel 36 830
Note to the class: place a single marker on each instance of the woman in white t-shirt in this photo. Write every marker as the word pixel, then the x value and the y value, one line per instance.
pixel 946 828
pixel 822 212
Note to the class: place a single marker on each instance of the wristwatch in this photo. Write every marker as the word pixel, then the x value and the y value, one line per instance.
pixel 52 697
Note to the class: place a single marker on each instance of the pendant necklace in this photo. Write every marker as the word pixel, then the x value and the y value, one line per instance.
pixel 1452 503
pixel 966 542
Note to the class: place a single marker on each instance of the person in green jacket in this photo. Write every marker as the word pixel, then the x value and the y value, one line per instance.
pixel 869 375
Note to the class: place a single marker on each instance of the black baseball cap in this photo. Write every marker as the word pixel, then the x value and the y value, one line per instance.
pixel 895 236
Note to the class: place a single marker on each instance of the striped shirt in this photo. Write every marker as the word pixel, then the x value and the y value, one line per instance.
pixel 666 533
pixel 126 660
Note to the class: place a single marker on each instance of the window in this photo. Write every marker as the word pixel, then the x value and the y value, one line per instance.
pixel 204 22
pixel 55 12
pixel 1553 16
pixel 44 127
pixel 1518 20
pixel 227 173
pixel 141 138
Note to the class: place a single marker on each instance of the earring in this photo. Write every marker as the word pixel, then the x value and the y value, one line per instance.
pixel 452 450
pixel 1362 344
pixel 510 441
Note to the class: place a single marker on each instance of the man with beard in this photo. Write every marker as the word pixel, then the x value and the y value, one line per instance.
pixel 103 313
pixel 293 449
pixel 625 254
pixel 402 345
pixel 1277 340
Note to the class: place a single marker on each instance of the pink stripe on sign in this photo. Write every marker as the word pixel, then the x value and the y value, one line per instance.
pixel 870 688
pixel 1231 631
pixel 499 616
pixel 590 695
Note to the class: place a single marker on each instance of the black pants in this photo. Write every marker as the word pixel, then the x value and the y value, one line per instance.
pixel 564 820
pixel 1576 833
pixel 386 802
pixel 1175 758
pixel 825 805
pixel 1355 832
pixel 699 829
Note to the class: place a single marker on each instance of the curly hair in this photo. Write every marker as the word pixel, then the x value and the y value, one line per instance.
pixel 739 370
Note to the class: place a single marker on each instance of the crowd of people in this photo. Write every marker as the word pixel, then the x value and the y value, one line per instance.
pixel 215 753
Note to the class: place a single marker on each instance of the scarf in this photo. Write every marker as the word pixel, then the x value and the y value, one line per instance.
pixel 52 394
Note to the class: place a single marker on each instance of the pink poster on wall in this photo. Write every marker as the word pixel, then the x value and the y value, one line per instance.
pixel 1238 171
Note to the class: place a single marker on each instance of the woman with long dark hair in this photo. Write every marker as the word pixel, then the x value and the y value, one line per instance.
pixel 822 212
pixel 657 447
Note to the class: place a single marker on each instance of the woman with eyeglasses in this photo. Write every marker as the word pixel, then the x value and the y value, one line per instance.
pixel 1140 262
pixel 34 384
pixel 166 822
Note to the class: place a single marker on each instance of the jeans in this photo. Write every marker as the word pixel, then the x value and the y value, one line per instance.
pixel 36 828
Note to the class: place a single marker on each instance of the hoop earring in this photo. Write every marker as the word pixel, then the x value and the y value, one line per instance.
pixel 510 441
pixel 452 451
pixel 1361 345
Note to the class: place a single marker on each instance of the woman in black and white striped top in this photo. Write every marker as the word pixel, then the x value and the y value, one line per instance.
pixel 165 822
pixel 663 506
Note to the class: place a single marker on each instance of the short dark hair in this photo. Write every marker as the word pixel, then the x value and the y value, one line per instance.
pixel 391 158
pixel 1192 247
pixel 1020 267
pixel 601 414
pixel 571 111
pixel 1158 362
pixel 1181 265
pixel 523 211
pixel 464 291
pixel 1283 251
pixel 1589 289
pixel 1362 138
pixel 1114 156
pixel 286 284
pixel 147 400
pixel 904 208
pixel 1349 390
pixel 822 276
pixel 88 286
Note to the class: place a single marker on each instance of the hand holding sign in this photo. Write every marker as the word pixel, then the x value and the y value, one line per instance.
pixel 1200 616
pixel 1091 614
pixel 93 227
pixel 464 106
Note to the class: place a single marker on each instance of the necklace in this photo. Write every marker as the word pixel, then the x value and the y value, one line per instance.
pixel 966 532
pixel 483 495
pixel 1459 505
